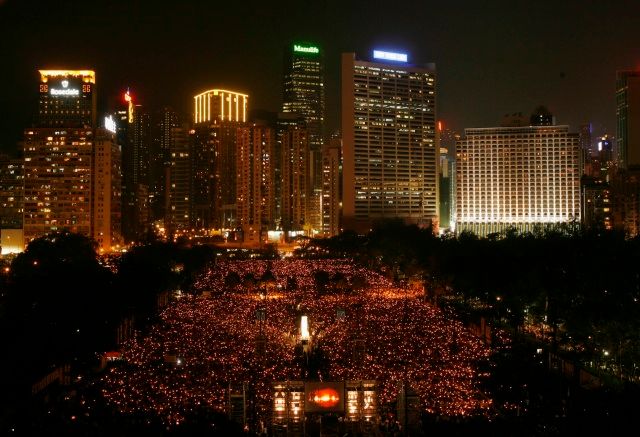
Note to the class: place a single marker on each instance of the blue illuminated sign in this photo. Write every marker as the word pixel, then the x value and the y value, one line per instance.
pixel 390 56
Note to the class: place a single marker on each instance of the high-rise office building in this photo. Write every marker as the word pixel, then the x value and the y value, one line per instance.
pixel 303 94
pixel 390 159
pixel 256 145
pixel 628 115
pixel 217 116
pixel 11 192
pixel 517 176
pixel 331 186
pixel 67 98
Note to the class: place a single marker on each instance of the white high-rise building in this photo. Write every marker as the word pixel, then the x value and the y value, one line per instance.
pixel 390 161
pixel 520 177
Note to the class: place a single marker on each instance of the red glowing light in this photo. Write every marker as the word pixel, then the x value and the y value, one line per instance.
pixel 325 397
pixel 127 96
pixel 440 126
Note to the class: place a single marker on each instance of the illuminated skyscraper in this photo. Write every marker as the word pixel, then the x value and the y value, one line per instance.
pixel 628 113
pixel 67 98
pixel 217 116
pixel 256 145
pixel 390 160
pixel 517 176
pixel 303 94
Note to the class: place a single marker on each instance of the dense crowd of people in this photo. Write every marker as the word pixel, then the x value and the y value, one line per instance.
pixel 249 332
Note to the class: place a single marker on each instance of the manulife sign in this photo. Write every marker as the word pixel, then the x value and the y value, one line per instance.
pixel 305 49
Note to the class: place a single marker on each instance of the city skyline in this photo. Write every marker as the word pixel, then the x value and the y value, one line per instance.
pixel 526 58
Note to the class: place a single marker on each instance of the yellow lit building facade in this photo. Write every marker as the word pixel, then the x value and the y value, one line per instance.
pixel 221 105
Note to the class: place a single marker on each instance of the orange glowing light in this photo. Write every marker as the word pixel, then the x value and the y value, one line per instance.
pixel 325 397
pixel 127 96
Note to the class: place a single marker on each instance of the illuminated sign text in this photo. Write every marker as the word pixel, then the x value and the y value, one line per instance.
pixel 303 49
pixel 64 92
pixel 390 56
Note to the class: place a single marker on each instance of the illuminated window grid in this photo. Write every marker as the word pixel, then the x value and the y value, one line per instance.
pixel 520 177
pixel 57 181
pixel 394 142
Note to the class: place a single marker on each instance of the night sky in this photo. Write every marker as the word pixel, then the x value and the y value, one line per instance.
pixel 492 57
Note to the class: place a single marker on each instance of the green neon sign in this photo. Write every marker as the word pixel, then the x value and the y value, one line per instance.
pixel 305 49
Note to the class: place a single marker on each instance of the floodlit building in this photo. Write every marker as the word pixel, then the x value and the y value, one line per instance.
pixel 517 176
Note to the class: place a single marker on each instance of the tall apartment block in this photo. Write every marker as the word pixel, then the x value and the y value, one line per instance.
pixel 390 161
pixel 107 190
pixel 519 177
pixel 255 181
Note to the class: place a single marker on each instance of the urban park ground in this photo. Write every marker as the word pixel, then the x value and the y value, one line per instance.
pixel 362 326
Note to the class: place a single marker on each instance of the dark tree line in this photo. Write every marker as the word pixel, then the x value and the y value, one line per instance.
pixel 583 286
pixel 60 303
